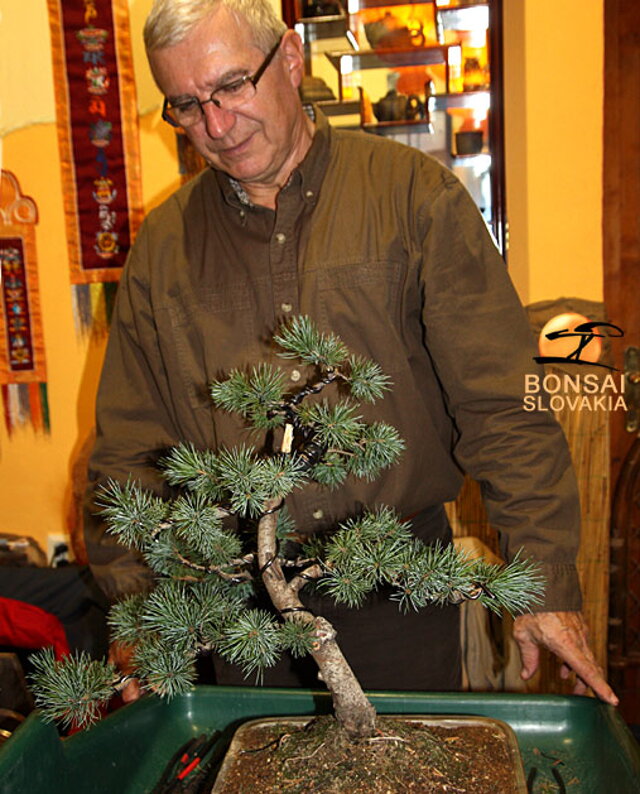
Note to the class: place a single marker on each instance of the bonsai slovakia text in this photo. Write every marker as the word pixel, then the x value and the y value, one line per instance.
pixel 589 392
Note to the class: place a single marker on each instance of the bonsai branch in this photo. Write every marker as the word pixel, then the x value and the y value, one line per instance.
pixel 351 706
pixel 299 562
pixel 235 576
pixel 304 577
pixel 330 376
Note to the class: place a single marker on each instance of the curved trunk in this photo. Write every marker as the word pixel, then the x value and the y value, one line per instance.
pixel 352 708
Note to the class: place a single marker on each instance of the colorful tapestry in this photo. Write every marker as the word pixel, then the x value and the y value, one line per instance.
pixel 99 147
pixel 22 364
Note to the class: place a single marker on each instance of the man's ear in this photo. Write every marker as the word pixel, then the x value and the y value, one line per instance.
pixel 291 48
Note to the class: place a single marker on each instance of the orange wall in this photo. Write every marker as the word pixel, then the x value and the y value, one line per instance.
pixel 554 98
pixel 35 469
pixel 554 56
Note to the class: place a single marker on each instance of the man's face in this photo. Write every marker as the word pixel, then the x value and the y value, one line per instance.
pixel 252 143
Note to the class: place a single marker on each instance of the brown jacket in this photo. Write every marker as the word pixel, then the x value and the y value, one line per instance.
pixel 380 244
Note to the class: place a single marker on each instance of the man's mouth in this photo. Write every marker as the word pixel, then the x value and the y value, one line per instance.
pixel 236 150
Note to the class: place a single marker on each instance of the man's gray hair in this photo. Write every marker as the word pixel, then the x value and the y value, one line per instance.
pixel 170 21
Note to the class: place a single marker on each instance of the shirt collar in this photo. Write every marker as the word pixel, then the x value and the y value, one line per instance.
pixel 307 177
pixel 314 166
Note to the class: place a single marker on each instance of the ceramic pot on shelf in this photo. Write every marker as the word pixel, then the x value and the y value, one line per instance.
pixel 392 106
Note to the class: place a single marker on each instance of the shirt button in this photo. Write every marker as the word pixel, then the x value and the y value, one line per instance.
pixel 281 238
pixel 318 514
pixel 286 307
pixel 295 375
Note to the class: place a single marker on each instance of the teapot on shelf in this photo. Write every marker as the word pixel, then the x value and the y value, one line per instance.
pixel 390 33
pixel 398 107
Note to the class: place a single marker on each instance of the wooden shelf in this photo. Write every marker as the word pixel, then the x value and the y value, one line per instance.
pixel 333 107
pixel 329 27
pixel 467 99
pixel 384 3
pixel 401 126
pixel 439 102
pixel 389 58
pixel 440 9
pixel 467 159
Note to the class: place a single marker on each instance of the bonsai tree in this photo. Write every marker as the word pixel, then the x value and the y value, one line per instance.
pixel 206 571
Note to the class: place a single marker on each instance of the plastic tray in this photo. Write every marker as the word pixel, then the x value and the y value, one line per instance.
pixel 580 739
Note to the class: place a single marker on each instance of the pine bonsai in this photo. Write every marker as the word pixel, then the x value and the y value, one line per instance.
pixel 206 572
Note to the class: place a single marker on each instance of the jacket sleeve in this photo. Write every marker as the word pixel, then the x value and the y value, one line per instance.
pixel 134 424
pixel 481 344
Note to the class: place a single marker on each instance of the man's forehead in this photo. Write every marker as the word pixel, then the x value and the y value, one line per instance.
pixel 215 48
pixel 219 33
pixel 228 51
pixel 216 26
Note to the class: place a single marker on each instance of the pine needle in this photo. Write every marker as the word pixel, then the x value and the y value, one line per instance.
pixel 71 690
pixel 301 339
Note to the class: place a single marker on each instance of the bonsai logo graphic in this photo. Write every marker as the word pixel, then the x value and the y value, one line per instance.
pixel 572 338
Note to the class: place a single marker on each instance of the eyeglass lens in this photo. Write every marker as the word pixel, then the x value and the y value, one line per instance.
pixel 227 97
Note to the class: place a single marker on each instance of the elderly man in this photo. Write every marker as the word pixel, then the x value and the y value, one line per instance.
pixel 378 243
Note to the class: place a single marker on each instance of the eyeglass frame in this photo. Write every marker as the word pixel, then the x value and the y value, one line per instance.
pixel 253 79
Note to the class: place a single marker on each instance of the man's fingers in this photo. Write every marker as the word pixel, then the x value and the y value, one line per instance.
pixel 572 647
pixel 595 679
pixel 131 692
pixel 580 688
pixel 529 655
pixel 565 634
pixel 122 656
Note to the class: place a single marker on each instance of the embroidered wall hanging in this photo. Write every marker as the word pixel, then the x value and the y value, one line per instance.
pixel 23 372
pixel 99 148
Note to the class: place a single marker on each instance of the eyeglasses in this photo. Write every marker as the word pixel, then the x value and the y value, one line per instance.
pixel 189 111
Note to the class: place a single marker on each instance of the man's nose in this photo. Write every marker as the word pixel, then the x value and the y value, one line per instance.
pixel 217 120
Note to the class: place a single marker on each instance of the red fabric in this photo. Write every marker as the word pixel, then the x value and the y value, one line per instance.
pixel 26 626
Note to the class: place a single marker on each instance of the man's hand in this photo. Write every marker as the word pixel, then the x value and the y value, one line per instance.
pixel 565 634
pixel 121 655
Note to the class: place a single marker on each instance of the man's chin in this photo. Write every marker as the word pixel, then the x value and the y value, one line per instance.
pixel 238 158
pixel 243 172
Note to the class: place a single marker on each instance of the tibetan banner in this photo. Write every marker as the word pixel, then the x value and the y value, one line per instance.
pixel 23 372
pixel 98 136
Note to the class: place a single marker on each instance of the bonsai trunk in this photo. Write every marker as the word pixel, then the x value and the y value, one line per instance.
pixel 352 709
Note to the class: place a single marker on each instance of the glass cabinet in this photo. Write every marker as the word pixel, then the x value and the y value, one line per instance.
pixel 426 73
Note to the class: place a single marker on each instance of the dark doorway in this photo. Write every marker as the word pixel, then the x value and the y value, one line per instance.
pixel 621 255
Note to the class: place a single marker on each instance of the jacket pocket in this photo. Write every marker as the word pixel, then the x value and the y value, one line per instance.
pixel 362 303
pixel 212 333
